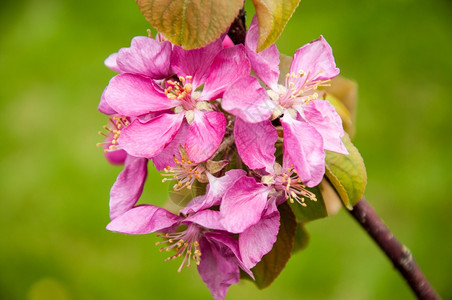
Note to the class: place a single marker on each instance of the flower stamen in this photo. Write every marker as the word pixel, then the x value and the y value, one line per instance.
pixel 181 90
pixel 185 172
pixel 113 131
pixel 185 243
pixel 293 188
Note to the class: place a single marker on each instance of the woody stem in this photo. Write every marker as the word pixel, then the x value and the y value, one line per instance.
pixel 237 31
pixel 400 255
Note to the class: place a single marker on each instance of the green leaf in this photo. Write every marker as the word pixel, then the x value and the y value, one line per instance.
pixel 301 240
pixel 347 173
pixel 271 265
pixel 190 23
pixel 272 16
pixel 313 210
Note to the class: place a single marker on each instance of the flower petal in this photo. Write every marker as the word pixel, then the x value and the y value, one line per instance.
pixel 133 95
pixel 128 187
pixel 172 150
pixel 324 118
pixel 205 134
pixel 218 268
pixel 195 62
pixel 258 239
pixel 150 138
pixel 116 157
pixel 146 57
pixel 143 219
pixel 104 107
pixel 256 143
pixel 303 149
pixel 226 239
pixel 247 100
pixel 243 204
pixel 316 57
pixel 228 66
pixel 215 190
pixel 110 62
pixel 206 218
pixel 265 63
pixel 227 42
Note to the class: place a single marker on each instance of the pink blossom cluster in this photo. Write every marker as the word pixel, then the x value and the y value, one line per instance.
pixel 202 118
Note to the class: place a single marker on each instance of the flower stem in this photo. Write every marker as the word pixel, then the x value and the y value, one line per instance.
pixel 400 255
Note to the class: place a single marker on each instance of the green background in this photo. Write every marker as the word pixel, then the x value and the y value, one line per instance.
pixel 54 182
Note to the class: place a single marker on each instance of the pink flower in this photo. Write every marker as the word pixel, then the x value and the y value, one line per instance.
pixel 197 238
pixel 176 103
pixel 247 208
pixel 309 125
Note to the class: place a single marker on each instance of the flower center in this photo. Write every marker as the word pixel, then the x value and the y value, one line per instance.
pixel 113 130
pixel 181 90
pixel 300 88
pixel 185 243
pixel 185 172
pixel 293 188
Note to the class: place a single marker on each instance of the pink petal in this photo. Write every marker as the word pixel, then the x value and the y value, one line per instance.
pixel 110 62
pixel 128 186
pixel 205 134
pixel 324 118
pixel 228 66
pixel 265 63
pixel 303 149
pixel 256 143
pixel 150 138
pixel 143 219
pixel 215 190
pixel 258 239
pixel 166 157
pixel 146 57
pixel 104 107
pixel 218 268
pixel 227 42
pixel 195 62
pixel 247 100
pixel 133 95
pixel 206 218
pixel 243 204
pixel 226 239
pixel 316 57
pixel 116 157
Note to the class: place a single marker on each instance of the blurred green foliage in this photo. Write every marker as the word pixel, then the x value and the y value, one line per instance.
pixel 54 182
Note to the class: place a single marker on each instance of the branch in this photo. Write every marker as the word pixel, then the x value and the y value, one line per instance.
pixel 237 31
pixel 400 255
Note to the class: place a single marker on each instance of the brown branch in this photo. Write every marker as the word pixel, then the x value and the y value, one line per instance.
pixel 237 31
pixel 400 255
